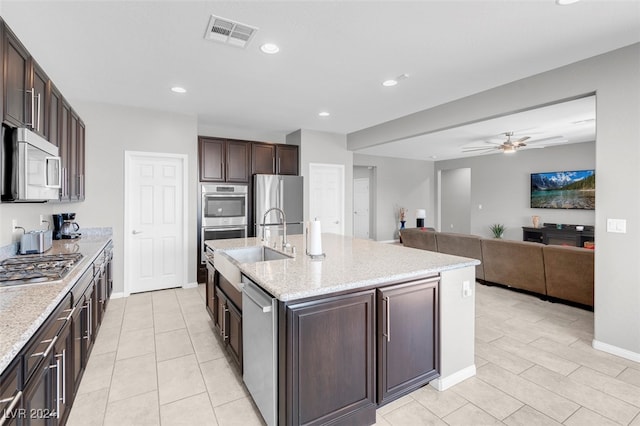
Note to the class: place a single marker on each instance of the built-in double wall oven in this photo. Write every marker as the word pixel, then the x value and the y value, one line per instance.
pixel 223 213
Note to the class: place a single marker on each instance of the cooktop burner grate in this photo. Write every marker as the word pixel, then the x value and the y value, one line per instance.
pixel 36 268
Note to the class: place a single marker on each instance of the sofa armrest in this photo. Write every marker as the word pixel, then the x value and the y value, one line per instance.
pixel 569 273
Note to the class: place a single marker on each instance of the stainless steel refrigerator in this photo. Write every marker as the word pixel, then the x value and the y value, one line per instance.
pixel 284 192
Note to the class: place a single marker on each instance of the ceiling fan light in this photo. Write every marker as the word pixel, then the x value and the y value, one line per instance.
pixel 509 149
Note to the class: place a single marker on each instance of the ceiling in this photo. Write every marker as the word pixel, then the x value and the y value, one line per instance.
pixel 333 57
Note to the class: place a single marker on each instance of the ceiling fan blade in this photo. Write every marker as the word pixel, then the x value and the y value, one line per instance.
pixel 493 143
pixel 550 138
pixel 478 149
pixel 522 139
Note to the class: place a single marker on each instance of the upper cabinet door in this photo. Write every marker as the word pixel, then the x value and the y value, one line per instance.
pixel 54 105
pixel 16 62
pixel 237 169
pixel 212 158
pixel 287 163
pixel 37 99
pixel 263 158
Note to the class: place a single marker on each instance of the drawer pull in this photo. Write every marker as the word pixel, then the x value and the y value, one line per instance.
pixel 68 317
pixel 46 352
pixel 11 408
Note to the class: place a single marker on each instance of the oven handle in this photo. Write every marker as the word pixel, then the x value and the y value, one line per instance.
pixel 224 195
pixel 223 228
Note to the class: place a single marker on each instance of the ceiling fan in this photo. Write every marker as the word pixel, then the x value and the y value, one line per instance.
pixel 508 146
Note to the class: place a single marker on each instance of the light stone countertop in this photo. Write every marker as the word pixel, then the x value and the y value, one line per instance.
pixel 350 263
pixel 24 308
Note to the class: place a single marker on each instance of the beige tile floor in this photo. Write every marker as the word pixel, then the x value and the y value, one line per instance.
pixel 156 362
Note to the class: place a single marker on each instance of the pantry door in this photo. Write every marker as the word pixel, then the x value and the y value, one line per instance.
pixel 155 221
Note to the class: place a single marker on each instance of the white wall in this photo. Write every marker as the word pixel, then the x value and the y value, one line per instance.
pixel 615 79
pixel 399 183
pixel 240 133
pixel 112 129
pixel 326 148
pixel 500 184
pixel 454 199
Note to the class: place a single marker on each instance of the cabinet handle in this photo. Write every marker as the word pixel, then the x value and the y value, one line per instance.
pixel 33 112
pixel 11 407
pixel 388 318
pixel 46 351
pixel 64 375
pixel 57 367
pixel 68 317
pixel 225 336
pixel 278 171
pixel 39 100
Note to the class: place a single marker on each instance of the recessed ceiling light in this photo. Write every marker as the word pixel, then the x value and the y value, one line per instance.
pixel 270 48
pixel 324 114
pixel 566 2
pixel 389 83
pixel 178 89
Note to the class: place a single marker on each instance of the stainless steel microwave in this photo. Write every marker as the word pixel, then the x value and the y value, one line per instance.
pixel 32 169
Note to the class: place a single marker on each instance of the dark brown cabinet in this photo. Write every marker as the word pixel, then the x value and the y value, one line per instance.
pixel 223 160
pixel 274 159
pixel 53 114
pixel 224 305
pixel 10 394
pixel 16 65
pixel 37 99
pixel 407 337
pixel 566 235
pixel 327 372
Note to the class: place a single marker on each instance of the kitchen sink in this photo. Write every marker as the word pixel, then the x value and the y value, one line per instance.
pixel 256 254
pixel 227 262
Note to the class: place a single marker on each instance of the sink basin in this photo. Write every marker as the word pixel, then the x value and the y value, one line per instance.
pixel 227 262
pixel 255 254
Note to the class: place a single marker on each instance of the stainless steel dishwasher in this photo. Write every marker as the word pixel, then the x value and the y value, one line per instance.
pixel 260 348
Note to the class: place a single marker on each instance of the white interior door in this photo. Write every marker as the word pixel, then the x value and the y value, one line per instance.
pixel 155 221
pixel 326 196
pixel 361 208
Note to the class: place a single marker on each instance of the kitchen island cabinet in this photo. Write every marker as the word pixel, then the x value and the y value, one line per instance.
pixel 362 327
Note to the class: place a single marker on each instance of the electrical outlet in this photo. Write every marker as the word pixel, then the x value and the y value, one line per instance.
pixel 42 219
pixel 466 289
pixel 14 225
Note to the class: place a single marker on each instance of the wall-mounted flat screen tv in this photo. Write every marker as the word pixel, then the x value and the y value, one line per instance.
pixel 564 190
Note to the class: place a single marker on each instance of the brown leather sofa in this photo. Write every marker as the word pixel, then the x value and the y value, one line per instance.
pixel 461 245
pixel 560 272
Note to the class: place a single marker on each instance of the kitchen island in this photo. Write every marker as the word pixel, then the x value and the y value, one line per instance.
pixel 359 328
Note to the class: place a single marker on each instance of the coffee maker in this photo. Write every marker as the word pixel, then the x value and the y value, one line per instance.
pixel 65 227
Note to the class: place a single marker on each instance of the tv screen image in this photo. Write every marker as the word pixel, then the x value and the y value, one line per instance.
pixel 564 190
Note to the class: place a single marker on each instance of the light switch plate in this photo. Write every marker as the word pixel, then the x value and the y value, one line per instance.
pixel 617 225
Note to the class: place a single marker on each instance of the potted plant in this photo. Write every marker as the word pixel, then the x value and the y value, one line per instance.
pixel 497 229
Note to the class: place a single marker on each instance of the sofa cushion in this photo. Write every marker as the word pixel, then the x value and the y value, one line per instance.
pixel 464 245
pixel 569 273
pixel 419 238
pixel 518 264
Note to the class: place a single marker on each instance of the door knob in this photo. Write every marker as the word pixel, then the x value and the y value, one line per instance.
pixel 134 232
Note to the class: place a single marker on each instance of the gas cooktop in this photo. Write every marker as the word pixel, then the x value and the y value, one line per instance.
pixel 37 268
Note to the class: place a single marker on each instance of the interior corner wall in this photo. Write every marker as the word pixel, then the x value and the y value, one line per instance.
pixel 325 148
pixel 615 80
pixel 399 183
pixel 112 130
pixel 500 187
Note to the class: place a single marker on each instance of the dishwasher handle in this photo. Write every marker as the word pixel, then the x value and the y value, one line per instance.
pixel 257 296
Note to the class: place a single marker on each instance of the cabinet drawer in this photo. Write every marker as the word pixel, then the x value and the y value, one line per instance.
pixel 10 394
pixel 40 346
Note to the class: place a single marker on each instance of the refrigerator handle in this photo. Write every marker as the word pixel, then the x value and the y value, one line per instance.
pixel 281 192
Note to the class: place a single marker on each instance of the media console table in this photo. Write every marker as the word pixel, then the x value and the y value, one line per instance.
pixel 549 233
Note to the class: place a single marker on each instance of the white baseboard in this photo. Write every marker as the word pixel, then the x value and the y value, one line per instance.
pixel 118 295
pixel 614 350
pixel 444 383
pixel 190 285
pixel 389 241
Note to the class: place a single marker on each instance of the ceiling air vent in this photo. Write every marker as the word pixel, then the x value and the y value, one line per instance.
pixel 229 32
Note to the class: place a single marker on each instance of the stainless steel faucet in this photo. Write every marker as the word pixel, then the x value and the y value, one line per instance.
pixel 284 224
